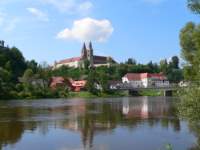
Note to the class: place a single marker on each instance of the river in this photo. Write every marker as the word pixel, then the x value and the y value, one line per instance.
pixel 129 123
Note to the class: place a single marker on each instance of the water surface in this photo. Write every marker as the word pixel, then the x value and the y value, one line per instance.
pixel 142 123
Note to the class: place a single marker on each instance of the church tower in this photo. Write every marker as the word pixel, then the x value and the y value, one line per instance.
pixel 90 55
pixel 84 52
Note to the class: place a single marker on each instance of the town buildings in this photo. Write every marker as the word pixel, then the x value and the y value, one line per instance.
pixel 75 86
pixel 146 80
pixel 87 54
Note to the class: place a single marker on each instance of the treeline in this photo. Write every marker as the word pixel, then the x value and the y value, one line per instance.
pixel 20 78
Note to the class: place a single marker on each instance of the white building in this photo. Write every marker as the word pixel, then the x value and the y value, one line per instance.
pixel 146 80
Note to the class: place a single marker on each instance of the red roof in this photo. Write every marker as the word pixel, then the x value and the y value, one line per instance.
pixel 140 76
pixel 69 60
pixel 56 80
pixel 74 85
pixel 81 83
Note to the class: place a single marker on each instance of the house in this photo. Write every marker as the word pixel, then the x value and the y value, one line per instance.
pixel 146 80
pixel 56 82
pixel 86 55
pixel 76 86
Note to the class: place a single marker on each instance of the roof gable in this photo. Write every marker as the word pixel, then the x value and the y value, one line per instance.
pixel 140 76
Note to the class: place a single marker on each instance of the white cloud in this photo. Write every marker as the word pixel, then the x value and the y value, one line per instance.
pixel 88 29
pixel 71 6
pixel 38 14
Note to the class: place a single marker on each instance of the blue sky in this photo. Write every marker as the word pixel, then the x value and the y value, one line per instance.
pixel 49 30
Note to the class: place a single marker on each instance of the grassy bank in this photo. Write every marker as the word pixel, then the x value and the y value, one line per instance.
pixel 151 93
pixel 85 94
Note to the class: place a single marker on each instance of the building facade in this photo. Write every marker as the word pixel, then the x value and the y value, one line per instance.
pixel 87 54
pixel 69 83
pixel 146 80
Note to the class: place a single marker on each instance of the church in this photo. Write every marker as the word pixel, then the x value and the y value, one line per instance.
pixel 86 55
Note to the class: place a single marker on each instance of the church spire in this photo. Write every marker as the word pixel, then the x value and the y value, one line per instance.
pixel 84 51
pixel 90 46
pixel 84 46
pixel 90 55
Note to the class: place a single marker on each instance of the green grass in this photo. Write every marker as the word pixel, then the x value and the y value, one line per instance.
pixel 151 93
pixel 85 94
pixel 81 95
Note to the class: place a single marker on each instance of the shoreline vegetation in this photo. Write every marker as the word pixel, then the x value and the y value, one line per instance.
pixel 23 79
pixel 88 95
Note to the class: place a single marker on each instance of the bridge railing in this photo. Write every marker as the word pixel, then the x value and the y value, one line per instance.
pixel 133 86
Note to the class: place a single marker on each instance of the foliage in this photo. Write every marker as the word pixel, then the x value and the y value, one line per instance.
pixel 190 43
pixel 20 78
pixel 189 106
pixel 194 5
pixel 91 81
pixel 130 61
pixel 168 147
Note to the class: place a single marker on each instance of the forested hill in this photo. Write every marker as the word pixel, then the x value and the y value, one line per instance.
pixel 14 67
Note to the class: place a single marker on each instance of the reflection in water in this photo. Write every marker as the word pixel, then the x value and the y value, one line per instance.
pixel 120 123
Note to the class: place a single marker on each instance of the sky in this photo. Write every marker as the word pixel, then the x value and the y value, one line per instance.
pixel 52 30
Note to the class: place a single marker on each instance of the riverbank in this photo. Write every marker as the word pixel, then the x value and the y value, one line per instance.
pixel 151 93
pixel 85 94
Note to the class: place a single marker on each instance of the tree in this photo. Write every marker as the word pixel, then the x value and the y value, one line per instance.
pixel 175 75
pixel 194 5
pixel 4 83
pixel 190 44
pixel 189 105
pixel 164 66
pixel 17 63
pixel 175 62
pixel 86 64
pixel 131 61
pixel 103 80
pixel 28 74
pixel 32 65
pixel 91 81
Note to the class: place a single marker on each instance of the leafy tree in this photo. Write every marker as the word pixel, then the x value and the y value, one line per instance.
pixel 190 43
pixel 28 74
pixel 17 63
pixel 62 71
pixel 175 75
pixel 131 61
pixel 103 81
pixel 91 81
pixel 194 5
pixel 86 64
pixel 5 85
pixel 175 62
pixel 33 65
